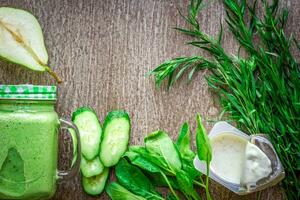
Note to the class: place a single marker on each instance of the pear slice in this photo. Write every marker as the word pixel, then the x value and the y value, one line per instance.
pixel 22 41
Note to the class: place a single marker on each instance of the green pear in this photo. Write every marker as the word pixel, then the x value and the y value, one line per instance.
pixel 22 41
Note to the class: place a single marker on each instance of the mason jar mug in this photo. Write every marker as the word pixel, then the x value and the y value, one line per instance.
pixel 29 142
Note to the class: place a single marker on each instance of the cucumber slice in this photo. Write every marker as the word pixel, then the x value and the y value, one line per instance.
pixel 90 131
pixel 116 131
pixel 91 168
pixel 94 185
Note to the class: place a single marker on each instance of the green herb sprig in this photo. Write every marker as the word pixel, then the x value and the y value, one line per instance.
pixel 261 91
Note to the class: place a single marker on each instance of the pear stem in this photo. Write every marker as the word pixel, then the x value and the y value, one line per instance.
pixel 53 74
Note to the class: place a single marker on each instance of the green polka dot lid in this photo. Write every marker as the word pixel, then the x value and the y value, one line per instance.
pixel 30 92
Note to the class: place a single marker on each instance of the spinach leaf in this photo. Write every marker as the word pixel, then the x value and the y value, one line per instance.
pixel 117 192
pixel 160 181
pixel 186 184
pixel 188 166
pixel 204 151
pixel 134 180
pixel 152 157
pixel 171 196
pixel 159 143
pixel 142 162
pixel 203 145
pixel 152 163
pixel 183 142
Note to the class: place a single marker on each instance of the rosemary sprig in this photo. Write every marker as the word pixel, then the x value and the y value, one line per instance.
pixel 168 69
pixel 261 92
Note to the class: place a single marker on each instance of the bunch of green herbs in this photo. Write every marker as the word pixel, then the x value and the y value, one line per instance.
pixel 163 163
pixel 259 91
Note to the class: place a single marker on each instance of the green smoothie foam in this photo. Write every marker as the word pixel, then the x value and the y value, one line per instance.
pixel 28 153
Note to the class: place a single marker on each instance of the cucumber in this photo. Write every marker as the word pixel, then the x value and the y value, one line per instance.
pixel 94 185
pixel 91 168
pixel 90 131
pixel 115 138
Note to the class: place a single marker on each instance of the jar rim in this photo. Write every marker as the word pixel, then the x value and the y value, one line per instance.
pixel 28 92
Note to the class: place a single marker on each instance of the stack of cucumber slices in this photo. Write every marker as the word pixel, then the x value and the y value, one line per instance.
pixel 101 148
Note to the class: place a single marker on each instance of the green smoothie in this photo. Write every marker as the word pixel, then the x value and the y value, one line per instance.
pixel 28 150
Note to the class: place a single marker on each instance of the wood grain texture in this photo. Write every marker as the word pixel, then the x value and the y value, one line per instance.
pixel 103 48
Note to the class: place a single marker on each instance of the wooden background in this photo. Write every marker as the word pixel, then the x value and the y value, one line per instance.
pixel 103 48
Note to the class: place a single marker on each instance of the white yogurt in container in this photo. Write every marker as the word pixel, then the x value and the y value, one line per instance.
pixel 257 165
pixel 236 160
pixel 241 163
pixel 228 154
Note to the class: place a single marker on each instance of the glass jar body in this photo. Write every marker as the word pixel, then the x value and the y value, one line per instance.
pixel 29 149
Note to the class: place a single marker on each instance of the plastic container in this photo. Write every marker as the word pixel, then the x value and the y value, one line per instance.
pixel 262 142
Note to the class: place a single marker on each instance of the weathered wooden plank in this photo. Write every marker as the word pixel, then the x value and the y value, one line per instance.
pixel 103 49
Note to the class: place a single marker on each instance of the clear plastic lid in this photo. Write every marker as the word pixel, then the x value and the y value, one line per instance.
pixel 263 143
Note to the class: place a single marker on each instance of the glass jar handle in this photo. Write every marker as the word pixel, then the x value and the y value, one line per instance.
pixel 73 171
